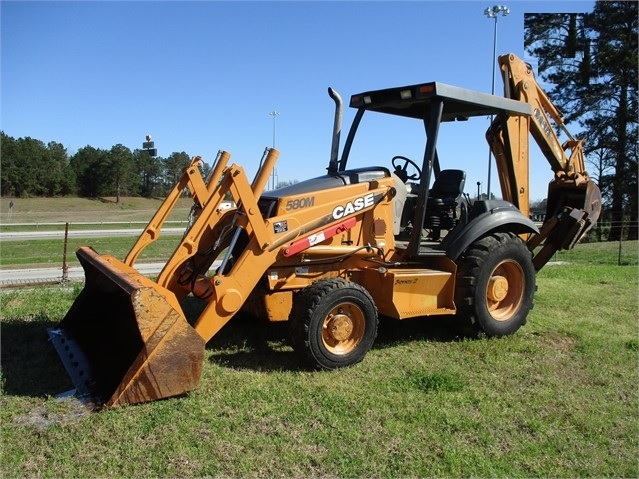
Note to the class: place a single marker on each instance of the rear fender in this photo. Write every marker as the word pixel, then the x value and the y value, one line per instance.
pixel 486 216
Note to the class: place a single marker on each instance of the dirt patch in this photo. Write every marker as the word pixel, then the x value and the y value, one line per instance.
pixel 15 303
pixel 558 342
pixel 66 410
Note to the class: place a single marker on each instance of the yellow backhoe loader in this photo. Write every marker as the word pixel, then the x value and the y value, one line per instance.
pixel 331 253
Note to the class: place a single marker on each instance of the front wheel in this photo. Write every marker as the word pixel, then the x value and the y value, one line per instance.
pixel 333 323
pixel 496 285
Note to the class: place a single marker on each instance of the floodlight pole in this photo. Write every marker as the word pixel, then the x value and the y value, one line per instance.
pixel 493 12
pixel 274 114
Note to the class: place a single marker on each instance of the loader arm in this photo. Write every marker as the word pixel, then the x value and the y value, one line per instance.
pixel 574 200
pixel 257 243
pixel 126 338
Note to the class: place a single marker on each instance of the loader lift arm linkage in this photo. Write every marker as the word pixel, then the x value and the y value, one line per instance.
pixel 331 253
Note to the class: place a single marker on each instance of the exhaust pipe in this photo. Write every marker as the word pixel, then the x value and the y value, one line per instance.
pixel 337 130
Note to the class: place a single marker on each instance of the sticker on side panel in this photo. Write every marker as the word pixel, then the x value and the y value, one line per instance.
pixel 280 227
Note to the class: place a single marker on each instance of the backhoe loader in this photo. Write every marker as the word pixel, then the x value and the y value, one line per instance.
pixel 332 253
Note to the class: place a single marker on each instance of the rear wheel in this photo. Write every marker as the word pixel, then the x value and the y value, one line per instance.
pixel 496 285
pixel 333 323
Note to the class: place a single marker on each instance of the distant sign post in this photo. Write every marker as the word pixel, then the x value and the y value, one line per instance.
pixel 149 146
pixel 10 209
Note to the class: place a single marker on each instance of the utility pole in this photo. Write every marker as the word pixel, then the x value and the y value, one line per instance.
pixel 274 114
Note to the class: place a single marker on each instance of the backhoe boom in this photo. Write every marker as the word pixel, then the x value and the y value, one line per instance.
pixel 574 200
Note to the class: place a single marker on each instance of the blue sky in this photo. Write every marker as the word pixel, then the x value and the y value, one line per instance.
pixel 202 76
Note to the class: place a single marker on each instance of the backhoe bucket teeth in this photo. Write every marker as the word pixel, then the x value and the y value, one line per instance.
pixel 125 339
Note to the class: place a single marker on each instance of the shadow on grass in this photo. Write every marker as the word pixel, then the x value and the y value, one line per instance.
pixel 440 329
pixel 30 364
pixel 250 343
pixel 31 367
pixel 246 342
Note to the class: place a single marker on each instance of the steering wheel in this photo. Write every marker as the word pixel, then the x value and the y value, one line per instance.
pixel 404 167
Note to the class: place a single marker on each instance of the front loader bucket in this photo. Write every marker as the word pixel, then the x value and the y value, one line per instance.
pixel 125 339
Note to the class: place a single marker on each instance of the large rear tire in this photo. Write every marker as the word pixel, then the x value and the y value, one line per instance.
pixel 333 323
pixel 496 285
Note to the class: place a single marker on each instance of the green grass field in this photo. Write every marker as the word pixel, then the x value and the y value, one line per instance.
pixel 51 214
pixel 557 399
pixel 50 252
pixel 34 211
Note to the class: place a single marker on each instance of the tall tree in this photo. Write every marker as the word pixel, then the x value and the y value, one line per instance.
pixel 173 166
pixel 590 60
pixel 27 160
pixel 121 170
pixel 149 170
pixel 31 168
pixel 617 60
pixel 8 172
pixel 90 167
pixel 55 176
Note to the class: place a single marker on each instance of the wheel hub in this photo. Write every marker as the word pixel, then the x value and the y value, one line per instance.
pixel 497 288
pixel 505 290
pixel 340 326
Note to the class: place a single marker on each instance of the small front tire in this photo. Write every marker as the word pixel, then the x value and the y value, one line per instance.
pixel 333 323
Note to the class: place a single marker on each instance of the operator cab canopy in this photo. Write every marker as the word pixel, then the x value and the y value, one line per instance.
pixel 415 102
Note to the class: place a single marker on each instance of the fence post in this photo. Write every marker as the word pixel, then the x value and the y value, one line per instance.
pixel 620 242
pixel 65 266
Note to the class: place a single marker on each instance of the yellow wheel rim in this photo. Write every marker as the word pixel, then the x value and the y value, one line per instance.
pixel 505 290
pixel 343 328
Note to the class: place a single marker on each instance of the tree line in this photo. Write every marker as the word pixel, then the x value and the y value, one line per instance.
pixel 32 168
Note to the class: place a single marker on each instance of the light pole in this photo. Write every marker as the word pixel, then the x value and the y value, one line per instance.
pixel 274 114
pixel 493 12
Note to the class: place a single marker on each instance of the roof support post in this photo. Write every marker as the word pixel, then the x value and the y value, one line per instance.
pixel 430 154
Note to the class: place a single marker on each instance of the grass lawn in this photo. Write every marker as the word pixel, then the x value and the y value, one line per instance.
pixel 50 252
pixel 557 399
pixel 34 211
pixel 51 214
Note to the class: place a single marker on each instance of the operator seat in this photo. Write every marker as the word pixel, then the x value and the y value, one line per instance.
pixel 447 189
pixel 441 206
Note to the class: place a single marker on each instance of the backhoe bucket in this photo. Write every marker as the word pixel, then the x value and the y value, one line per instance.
pixel 125 339
pixel 585 198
